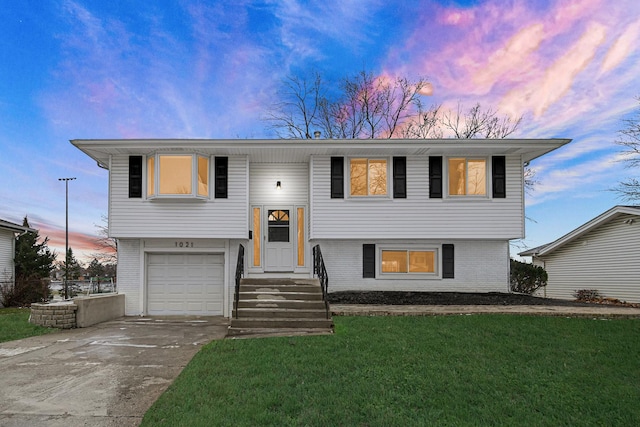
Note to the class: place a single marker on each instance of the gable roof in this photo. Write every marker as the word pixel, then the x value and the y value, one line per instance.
pixel 583 229
pixel 17 228
pixel 299 150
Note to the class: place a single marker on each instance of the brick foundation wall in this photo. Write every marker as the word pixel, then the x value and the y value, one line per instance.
pixel 56 315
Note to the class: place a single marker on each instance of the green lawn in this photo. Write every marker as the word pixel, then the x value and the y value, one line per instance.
pixel 14 324
pixel 405 371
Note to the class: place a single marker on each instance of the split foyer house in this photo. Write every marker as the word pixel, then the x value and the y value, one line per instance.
pixel 410 215
pixel 600 255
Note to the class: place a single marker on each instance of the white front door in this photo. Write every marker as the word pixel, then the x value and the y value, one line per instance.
pixel 278 239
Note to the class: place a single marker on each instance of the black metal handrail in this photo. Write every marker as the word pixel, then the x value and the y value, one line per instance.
pixel 239 275
pixel 320 271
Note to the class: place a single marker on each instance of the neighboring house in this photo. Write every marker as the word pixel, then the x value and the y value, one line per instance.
pixel 409 215
pixel 8 233
pixel 601 254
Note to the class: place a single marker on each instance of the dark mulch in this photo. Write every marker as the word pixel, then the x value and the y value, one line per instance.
pixel 444 298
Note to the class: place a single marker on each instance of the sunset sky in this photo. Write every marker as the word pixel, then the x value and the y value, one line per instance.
pixel 205 69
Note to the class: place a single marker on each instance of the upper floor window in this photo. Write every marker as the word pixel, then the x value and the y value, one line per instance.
pixel 467 177
pixel 177 175
pixel 368 177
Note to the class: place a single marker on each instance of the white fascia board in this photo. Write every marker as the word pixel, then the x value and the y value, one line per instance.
pixel 296 150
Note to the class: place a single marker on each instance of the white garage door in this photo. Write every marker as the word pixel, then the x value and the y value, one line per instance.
pixel 184 284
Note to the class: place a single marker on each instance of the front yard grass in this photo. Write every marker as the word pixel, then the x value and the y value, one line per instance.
pixel 400 371
pixel 14 325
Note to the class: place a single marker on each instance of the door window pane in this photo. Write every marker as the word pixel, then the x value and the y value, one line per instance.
pixel 278 226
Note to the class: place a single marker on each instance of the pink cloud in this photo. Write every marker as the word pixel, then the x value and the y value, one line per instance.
pixel 622 48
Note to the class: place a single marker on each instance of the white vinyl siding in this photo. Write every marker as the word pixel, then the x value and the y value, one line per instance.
pixel 480 266
pixel 7 249
pixel 294 179
pixel 417 215
pixel 130 275
pixel 212 218
pixel 605 258
pixel 185 284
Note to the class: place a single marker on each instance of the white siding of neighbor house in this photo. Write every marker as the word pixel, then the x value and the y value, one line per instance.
pixel 294 178
pixel 7 248
pixel 605 259
pixel 417 216
pixel 213 218
pixel 480 266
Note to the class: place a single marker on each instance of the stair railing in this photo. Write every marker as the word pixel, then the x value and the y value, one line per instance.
pixel 320 271
pixel 239 274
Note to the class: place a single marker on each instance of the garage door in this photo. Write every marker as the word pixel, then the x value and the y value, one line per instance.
pixel 185 284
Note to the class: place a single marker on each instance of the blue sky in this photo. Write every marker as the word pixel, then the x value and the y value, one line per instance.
pixel 73 69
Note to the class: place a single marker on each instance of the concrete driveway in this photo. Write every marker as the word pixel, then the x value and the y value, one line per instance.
pixel 105 375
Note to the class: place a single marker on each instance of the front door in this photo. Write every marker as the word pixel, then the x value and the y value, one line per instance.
pixel 278 247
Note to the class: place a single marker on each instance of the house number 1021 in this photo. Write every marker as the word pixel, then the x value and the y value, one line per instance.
pixel 184 244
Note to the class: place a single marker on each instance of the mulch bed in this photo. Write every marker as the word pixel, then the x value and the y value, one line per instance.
pixel 445 298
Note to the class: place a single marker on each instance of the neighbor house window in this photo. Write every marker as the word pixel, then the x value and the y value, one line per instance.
pixel 408 261
pixel 467 177
pixel 177 175
pixel 368 177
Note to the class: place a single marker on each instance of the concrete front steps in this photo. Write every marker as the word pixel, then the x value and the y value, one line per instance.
pixel 279 307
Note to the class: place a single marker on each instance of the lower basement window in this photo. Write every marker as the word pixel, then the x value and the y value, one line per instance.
pixel 408 261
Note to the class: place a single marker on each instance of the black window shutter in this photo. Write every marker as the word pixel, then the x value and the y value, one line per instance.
pixel 135 176
pixel 368 261
pixel 399 177
pixel 499 178
pixel 337 177
pixel 435 177
pixel 447 261
pixel 221 171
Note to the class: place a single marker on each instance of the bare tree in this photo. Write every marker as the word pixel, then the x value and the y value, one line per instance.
pixel 366 107
pixel 629 140
pixel 478 122
pixel 106 247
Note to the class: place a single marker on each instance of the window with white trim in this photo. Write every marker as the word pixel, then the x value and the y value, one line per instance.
pixel 368 177
pixel 467 176
pixel 178 175
pixel 408 261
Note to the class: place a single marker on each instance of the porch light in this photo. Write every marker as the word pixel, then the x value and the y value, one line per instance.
pixel 278 186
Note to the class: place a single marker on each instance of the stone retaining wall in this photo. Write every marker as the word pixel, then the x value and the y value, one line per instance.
pixel 56 315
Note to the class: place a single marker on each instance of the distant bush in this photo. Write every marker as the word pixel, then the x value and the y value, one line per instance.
pixel 526 278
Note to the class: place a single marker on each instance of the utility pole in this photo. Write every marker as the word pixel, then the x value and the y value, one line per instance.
pixel 66 237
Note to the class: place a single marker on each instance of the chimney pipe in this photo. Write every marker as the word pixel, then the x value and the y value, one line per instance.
pixel 317 134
